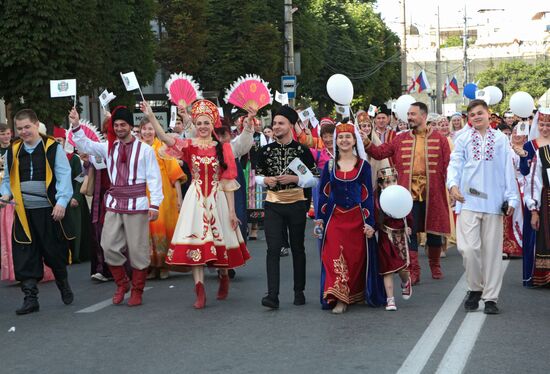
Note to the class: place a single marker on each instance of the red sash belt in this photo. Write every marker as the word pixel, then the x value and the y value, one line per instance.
pixel 132 191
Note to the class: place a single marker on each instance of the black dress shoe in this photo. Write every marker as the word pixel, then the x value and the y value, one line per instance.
pixel 299 298
pixel 67 295
pixel 491 308
pixel 270 302
pixel 472 302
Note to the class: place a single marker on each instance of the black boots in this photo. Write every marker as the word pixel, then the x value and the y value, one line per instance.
pixel 30 303
pixel 66 293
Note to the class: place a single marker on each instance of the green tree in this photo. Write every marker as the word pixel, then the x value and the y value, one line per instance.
pixel 516 75
pixel 82 39
pixel 183 42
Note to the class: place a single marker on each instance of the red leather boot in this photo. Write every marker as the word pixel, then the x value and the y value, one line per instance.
pixel 414 267
pixel 201 296
pixel 434 254
pixel 138 283
pixel 223 290
pixel 122 282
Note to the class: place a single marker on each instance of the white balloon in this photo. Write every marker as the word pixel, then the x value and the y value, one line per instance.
pixel 340 89
pixel 495 94
pixel 522 104
pixel 402 106
pixel 396 201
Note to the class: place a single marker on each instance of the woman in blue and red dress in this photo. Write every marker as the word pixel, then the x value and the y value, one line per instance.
pixel 349 271
pixel 538 203
pixel 528 160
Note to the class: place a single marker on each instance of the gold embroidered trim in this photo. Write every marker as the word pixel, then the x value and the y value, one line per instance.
pixel 433 155
pixel 406 148
pixel 434 147
pixel 407 141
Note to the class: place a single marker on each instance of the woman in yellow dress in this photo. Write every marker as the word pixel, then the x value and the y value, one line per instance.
pixel 162 230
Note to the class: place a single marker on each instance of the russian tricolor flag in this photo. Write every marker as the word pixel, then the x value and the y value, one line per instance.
pixel 422 80
pixel 454 84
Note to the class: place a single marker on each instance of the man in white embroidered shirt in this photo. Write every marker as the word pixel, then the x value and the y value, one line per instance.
pixel 132 168
pixel 481 180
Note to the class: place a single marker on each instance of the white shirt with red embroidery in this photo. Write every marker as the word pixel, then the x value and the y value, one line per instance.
pixel 129 175
pixel 482 169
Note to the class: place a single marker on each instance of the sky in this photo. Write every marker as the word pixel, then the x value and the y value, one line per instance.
pixel 424 12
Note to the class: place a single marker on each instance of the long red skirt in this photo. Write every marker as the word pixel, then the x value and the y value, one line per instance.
pixel 344 257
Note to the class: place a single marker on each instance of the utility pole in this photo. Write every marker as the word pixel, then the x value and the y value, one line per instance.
pixel 289 43
pixel 404 77
pixel 438 106
pixel 465 47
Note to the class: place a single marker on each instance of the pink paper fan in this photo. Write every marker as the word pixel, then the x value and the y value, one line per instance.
pixel 182 89
pixel 89 130
pixel 249 92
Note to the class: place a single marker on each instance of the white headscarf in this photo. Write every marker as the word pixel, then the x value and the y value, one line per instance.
pixel 359 143
pixel 534 132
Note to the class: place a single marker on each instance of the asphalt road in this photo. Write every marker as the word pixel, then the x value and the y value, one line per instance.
pixel 430 332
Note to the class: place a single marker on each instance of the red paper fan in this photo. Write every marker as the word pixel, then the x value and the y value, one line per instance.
pixel 182 89
pixel 89 130
pixel 249 92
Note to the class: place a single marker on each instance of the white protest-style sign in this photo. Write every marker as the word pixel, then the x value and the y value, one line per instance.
pixel 343 110
pixel 63 88
pixel 300 169
pixel 306 114
pixel 106 97
pixel 522 128
pixel 372 110
pixel 220 111
pixel 281 97
pixel 173 116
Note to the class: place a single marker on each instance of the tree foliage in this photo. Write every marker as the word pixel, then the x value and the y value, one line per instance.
pixel 332 36
pixel 516 75
pixel 86 40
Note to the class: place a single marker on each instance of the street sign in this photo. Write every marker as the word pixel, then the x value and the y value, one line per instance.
pixel 288 85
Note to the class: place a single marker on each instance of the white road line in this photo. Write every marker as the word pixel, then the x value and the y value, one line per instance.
pixel 422 351
pixel 104 304
pixel 463 343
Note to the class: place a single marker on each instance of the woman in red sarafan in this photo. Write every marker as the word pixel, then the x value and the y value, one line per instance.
pixel 348 255
pixel 207 234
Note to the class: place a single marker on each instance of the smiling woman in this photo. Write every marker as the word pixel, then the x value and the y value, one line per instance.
pixel 206 233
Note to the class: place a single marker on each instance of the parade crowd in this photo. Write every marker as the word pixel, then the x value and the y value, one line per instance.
pixel 139 202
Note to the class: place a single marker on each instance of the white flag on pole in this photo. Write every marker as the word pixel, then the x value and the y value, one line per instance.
pixel 314 122
pixel 281 97
pixel 306 114
pixel 372 110
pixel 63 88
pixel 301 170
pixel 106 97
pixel 343 110
pixel 173 116
pixel 130 81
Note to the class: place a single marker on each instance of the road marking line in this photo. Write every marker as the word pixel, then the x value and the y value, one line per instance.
pixel 105 303
pixel 422 351
pixel 458 353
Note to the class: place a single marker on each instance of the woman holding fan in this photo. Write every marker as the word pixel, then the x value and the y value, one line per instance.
pixel 208 234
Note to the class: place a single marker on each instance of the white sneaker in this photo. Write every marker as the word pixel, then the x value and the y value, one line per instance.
pixel 391 304
pixel 100 277
pixel 406 290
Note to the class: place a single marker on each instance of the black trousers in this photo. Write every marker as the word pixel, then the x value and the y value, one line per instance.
pixel 279 217
pixel 48 246
pixel 419 217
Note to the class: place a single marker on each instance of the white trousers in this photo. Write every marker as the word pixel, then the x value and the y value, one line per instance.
pixel 479 239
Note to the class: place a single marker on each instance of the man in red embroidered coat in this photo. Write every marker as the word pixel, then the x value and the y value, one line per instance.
pixel 420 157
